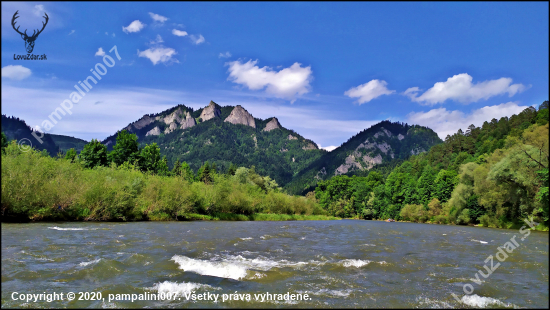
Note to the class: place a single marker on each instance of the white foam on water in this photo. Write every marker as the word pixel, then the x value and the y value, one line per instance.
pixel 89 263
pixel 355 262
pixel 483 302
pixel 210 268
pixel 483 242
pixel 258 275
pixel 232 267
pixel 366 244
pixel 68 228
pixel 247 238
pixel 180 289
pixel 260 263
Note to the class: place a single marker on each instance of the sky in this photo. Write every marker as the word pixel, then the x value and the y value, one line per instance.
pixel 327 70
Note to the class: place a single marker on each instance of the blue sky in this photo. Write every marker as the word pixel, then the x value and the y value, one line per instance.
pixel 327 70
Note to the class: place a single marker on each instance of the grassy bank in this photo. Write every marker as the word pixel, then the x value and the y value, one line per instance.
pixel 38 187
pixel 506 225
pixel 255 217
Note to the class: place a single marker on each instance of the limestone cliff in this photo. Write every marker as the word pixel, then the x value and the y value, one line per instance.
pixel 188 122
pixel 240 116
pixel 173 126
pixel 142 122
pixel 175 116
pixel 153 132
pixel 272 124
pixel 310 146
pixel 210 112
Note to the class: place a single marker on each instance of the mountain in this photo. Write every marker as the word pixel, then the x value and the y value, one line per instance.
pixel 17 129
pixel 231 135
pixel 225 135
pixel 381 144
pixel 66 142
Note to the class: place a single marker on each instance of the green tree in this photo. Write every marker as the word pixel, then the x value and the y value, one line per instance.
pixel 125 149
pixel 4 141
pixel 186 172
pixel 176 171
pixel 94 154
pixel 445 182
pixel 542 194
pixel 150 159
pixel 71 155
pixel 232 169
pixel 204 173
pixel 162 167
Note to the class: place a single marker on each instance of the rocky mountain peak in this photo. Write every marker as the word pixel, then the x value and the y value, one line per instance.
pixel 142 122
pixel 174 116
pixel 272 124
pixel 188 122
pixel 210 112
pixel 240 116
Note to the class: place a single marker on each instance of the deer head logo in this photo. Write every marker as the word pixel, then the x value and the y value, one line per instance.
pixel 29 40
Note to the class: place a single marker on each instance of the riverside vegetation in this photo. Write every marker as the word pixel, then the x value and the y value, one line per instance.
pixel 131 183
pixel 493 176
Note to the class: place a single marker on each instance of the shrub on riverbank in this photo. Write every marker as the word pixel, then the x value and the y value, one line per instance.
pixel 36 186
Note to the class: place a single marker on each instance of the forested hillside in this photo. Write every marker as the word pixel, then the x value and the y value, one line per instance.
pixel 195 137
pixel 493 175
pixel 381 146
pixel 16 129
pixel 66 143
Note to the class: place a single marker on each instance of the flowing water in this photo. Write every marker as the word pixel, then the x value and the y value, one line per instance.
pixel 347 263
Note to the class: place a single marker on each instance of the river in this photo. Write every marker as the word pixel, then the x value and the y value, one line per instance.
pixel 346 263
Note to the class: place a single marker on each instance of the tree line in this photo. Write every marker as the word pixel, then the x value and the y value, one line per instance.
pixel 493 175
pixel 131 183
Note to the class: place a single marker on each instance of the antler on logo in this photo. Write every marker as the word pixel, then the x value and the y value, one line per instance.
pixel 29 40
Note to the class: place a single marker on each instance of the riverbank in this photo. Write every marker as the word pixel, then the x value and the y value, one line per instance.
pixel 256 217
pixel 508 225
pixel 200 217
pixel 37 187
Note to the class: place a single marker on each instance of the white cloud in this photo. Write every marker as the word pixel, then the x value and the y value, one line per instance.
pixel 100 52
pixel 134 26
pixel 38 10
pixel 368 91
pixel 287 83
pixel 225 55
pixel 327 148
pixel 157 40
pixel 158 18
pixel 106 33
pixel 179 33
pixel 197 40
pixel 114 35
pixel 17 72
pixel 460 88
pixel 446 122
pixel 72 31
pixel 159 54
